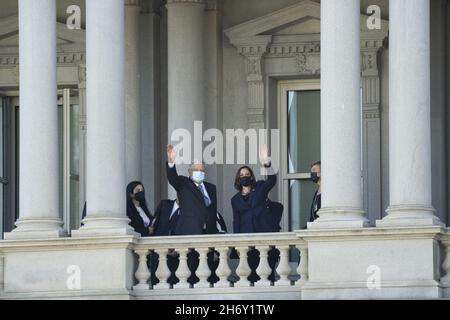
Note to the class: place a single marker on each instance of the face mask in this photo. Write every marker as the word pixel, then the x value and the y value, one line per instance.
pixel 246 181
pixel 140 196
pixel 198 176
pixel 314 177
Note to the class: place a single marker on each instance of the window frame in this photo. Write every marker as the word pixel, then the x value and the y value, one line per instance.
pixel 284 86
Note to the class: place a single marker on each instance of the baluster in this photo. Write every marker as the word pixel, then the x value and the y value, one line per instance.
pixel 142 273
pixel 284 269
pixel 302 269
pixel 263 269
pixel 445 280
pixel 163 272
pixel 243 270
pixel 223 269
pixel 183 273
pixel 203 271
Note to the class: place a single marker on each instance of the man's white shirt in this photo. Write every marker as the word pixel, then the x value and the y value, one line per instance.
pixel 143 216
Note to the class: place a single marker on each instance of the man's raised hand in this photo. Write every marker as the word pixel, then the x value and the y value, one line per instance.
pixel 171 154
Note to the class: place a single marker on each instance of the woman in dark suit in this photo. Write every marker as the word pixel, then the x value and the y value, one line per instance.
pixel 251 210
pixel 250 205
pixel 137 211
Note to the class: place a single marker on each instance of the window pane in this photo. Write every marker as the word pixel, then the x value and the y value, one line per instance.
pixel 303 130
pixel 301 193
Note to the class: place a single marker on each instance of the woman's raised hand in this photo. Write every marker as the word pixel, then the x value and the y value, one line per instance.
pixel 264 154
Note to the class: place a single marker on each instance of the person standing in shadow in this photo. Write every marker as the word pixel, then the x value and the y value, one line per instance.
pixel 317 199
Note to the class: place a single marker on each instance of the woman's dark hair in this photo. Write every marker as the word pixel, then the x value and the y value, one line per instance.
pixel 237 180
pixel 130 205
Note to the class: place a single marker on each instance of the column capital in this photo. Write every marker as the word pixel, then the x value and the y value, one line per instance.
pixel 82 76
pixel 252 46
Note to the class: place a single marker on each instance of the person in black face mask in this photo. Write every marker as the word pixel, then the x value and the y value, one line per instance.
pixel 251 210
pixel 141 218
pixel 250 203
pixel 316 203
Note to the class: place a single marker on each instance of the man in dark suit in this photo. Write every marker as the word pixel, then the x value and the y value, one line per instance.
pixel 197 198
pixel 166 217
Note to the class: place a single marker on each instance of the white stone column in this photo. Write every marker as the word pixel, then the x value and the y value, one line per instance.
pixel 185 65
pixel 133 145
pixel 105 94
pixel 150 101
pixel 39 215
pixel 409 115
pixel 342 202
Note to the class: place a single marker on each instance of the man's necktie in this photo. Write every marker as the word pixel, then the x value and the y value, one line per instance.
pixel 205 198
pixel 173 221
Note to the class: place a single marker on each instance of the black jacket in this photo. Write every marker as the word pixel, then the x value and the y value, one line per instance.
pixel 136 221
pixel 194 213
pixel 252 213
pixel 315 206
pixel 163 225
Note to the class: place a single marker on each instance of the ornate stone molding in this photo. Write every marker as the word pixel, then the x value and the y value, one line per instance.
pixel 9 60
pixel 62 58
pixel 370 78
pixel 369 63
pixel 82 76
pixel 290 49
pixel 308 64
pixel 254 41
pixel 254 49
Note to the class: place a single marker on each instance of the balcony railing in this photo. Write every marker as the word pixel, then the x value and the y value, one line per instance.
pixel 229 261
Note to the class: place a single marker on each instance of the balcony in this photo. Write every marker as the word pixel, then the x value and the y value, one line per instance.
pixel 365 263
pixel 232 272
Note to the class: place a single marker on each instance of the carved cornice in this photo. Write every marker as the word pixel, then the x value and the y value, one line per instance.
pixel 65 58
pixel 254 46
pixel 69 55
pixel 292 49
pixel 9 60
pixel 72 58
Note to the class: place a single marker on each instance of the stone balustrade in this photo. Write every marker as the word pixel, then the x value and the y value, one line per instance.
pixel 221 261
pixel 445 279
